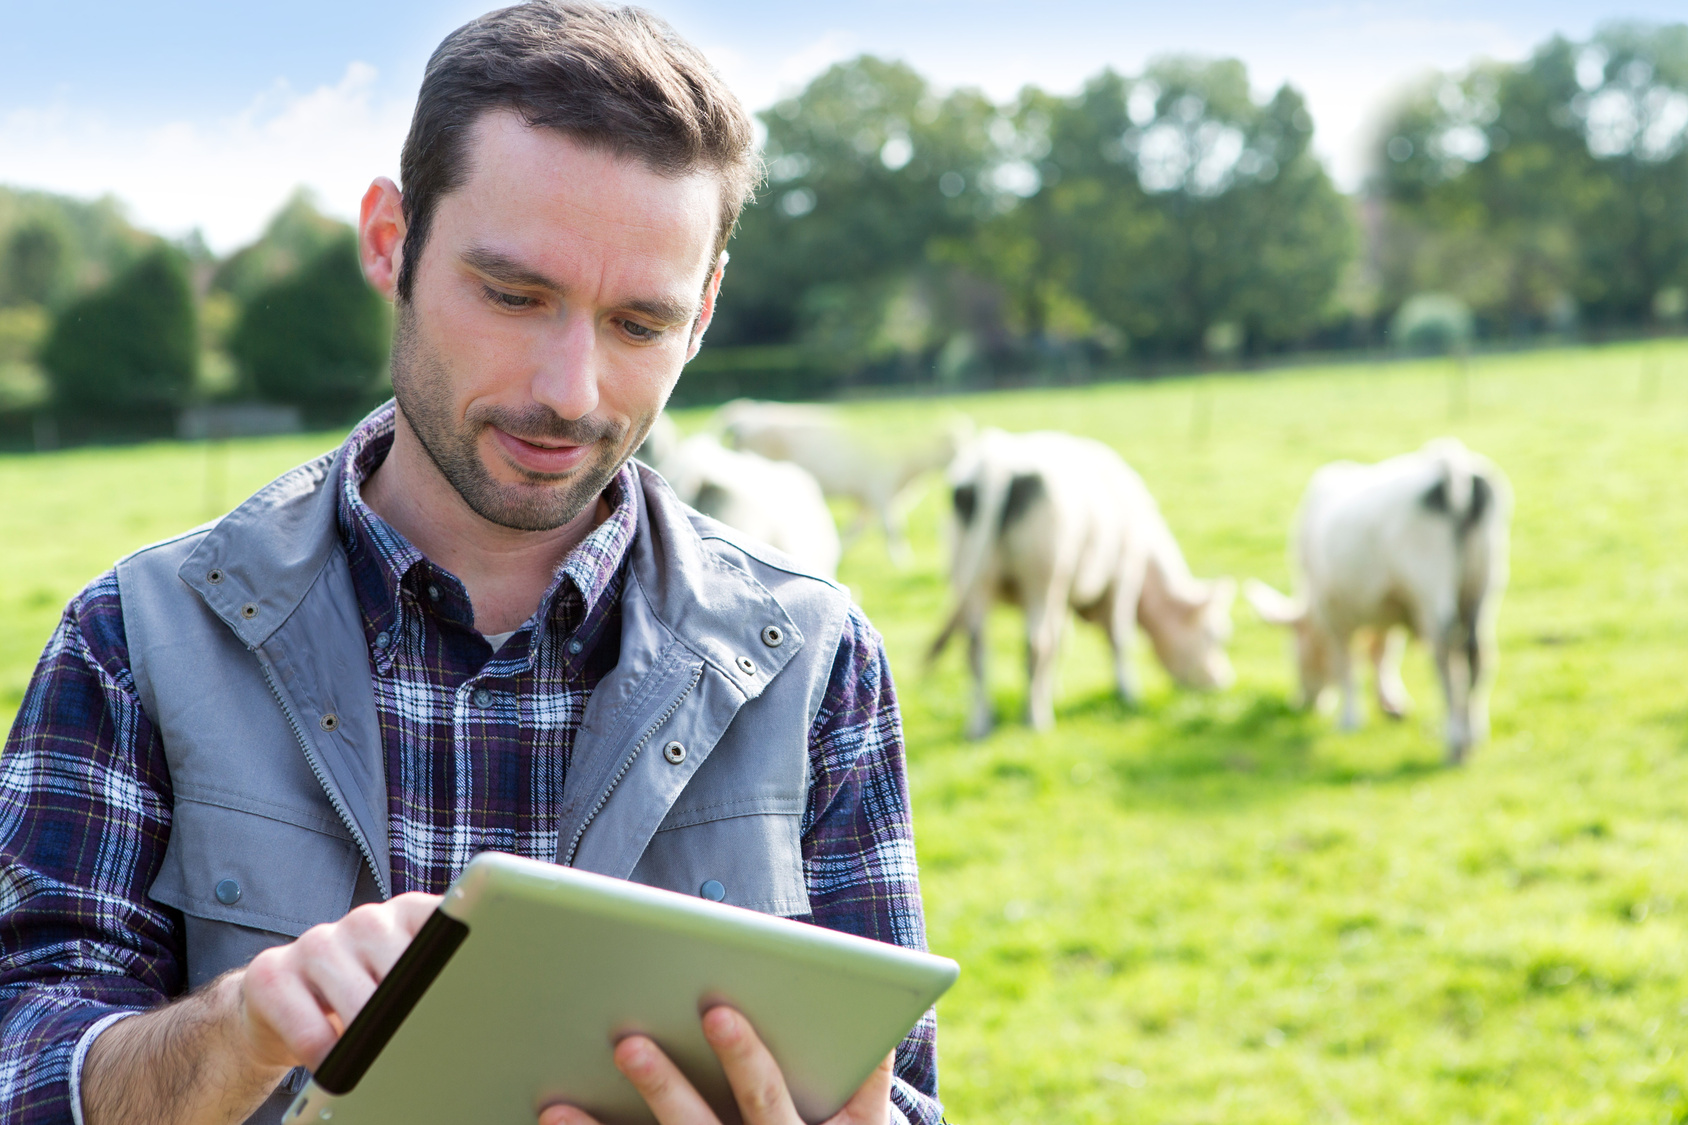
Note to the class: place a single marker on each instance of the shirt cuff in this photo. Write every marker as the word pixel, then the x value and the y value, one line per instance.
pixel 80 1055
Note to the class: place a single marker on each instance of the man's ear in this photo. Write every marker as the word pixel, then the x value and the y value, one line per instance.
pixel 707 313
pixel 381 235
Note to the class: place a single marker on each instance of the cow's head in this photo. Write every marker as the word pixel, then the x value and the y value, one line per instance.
pixel 1313 655
pixel 1191 640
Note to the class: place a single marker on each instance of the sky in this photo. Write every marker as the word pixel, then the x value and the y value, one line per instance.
pixel 209 115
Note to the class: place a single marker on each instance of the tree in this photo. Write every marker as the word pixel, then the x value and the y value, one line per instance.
pixel 35 262
pixel 867 169
pixel 317 339
pixel 1173 207
pixel 1546 189
pixel 130 346
pixel 297 234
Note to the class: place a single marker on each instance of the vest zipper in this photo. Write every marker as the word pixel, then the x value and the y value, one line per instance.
pixel 322 779
pixel 627 764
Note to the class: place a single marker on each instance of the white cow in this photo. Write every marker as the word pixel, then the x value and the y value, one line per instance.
pixel 774 501
pixel 878 478
pixel 1415 544
pixel 1048 521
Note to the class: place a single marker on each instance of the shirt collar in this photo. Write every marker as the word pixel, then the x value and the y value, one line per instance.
pixel 382 559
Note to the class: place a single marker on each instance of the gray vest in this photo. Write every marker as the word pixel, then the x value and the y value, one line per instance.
pixel 249 655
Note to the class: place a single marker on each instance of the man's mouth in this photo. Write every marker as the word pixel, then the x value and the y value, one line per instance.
pixel 542 455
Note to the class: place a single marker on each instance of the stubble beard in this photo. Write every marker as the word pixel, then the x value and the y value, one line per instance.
pixel 422 386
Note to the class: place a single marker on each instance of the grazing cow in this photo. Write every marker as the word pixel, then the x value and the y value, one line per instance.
pixel 1048 521
pixel 878 480
pixel 774 501
pixel 1415 544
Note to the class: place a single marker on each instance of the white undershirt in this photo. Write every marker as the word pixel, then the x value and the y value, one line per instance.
pixel 496 640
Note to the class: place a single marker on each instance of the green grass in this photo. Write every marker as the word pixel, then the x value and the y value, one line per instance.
pixel 1214 908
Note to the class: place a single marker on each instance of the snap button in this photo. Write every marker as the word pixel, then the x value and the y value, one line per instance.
pixel 215 577
pixel 746 665
pixel 574 648
pixel 228 892
pixel 483 697
pixel 383 639
pixel 433 593
pixel 249 610
pixel 712 890
pixel 675 752
pixel 329 722
pixel 773 636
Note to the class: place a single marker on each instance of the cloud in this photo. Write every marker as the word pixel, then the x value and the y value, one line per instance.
pixel 225 175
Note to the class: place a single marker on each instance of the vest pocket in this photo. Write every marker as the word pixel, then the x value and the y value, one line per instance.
pixel 254 871
pixel 751 860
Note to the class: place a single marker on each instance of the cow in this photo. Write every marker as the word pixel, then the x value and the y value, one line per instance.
pixel 879 480
pixel 1413 545
pixel 1048 522
pixel 773 501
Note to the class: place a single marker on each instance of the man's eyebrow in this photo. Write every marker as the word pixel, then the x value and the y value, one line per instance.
pixel 502 268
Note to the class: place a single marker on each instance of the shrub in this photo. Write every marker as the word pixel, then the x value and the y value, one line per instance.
pixel 130 346
pixel 317 339
pixel 1432 324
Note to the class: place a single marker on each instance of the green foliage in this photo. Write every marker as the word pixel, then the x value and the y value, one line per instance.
pixel 35 262
pixel 1214 908
pixel 1544 190
pixel 130 346
pixel 1432 323
pixel 52 247
pixel 297 234
pixel 1172 204
pixel 317 339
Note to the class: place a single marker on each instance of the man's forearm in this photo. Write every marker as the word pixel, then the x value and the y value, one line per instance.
pixel 183 1064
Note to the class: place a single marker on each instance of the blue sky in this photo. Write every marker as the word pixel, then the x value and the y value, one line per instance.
pixel 210 114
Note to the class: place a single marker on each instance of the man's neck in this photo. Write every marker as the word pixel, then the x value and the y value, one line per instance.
pixel 506 572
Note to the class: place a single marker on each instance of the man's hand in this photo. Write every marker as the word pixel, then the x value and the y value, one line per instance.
pixel 758 1086
pixel 212 1057
pixel 296 999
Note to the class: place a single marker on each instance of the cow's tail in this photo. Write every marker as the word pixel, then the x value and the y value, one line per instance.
pixel 978 506
pixel 1462 491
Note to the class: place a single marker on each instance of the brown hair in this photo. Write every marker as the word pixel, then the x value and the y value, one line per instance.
pixel 613 78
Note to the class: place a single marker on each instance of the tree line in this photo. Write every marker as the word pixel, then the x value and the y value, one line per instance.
pixel 906 235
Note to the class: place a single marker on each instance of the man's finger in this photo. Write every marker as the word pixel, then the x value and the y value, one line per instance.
pixel 671 1097
pixel 871 1104
pixel 565 1115
pixel 758 1085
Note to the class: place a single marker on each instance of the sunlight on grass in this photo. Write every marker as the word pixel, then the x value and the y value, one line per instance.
pixel 1214 908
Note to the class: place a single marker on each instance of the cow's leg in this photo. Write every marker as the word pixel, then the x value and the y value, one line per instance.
pixel 1453 668
pixel 1122 629
pixel 1044 619
pixel 1480 650
pixel 1342 664
pixel 1387 648
pixel 981 720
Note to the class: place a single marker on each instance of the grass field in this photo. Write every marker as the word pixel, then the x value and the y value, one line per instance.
pixel 1216 909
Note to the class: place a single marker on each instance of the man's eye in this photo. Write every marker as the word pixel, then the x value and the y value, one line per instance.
pixel 506 300
pixel 639 331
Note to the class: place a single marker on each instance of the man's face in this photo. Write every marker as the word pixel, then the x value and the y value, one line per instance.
pixel 560 292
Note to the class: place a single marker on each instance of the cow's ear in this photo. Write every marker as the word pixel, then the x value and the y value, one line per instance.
pixel 1274 608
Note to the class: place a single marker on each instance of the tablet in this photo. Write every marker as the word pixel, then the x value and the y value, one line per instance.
pixel 514 993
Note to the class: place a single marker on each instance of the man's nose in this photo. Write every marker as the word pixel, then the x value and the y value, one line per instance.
pixel 566 379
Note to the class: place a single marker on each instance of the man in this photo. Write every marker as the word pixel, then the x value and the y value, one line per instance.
pixel 253 756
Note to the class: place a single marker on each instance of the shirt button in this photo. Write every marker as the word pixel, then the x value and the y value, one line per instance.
pixel 773 636
pixel 228 892
pixel 433 593
pixel 746 665
pixel 383 639
pixel 483 697
pixel 574 648
pixel 675 752
pixel 712 890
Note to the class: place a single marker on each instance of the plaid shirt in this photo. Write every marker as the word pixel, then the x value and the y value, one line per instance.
pixel 476 744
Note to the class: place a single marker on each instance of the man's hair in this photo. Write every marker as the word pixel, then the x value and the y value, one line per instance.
pixel 617 79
